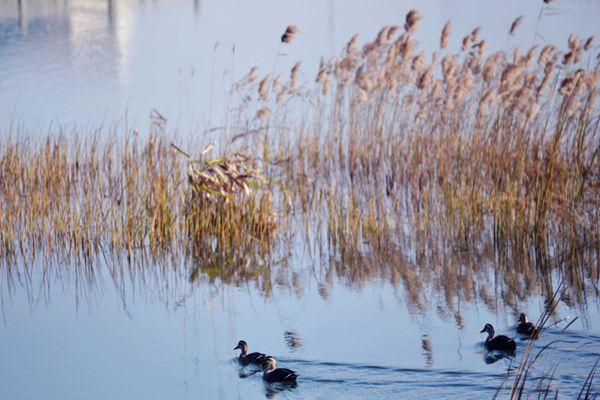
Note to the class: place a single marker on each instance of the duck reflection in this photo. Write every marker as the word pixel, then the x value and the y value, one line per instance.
pixel 490 357
pixel 293 340
pixel 274 389
pixel 427 350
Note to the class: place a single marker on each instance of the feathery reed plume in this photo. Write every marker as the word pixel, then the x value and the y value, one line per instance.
pixel 321 75
pixel 588 43
pixel 276 82
pixel 482 48
pixel 263 88
pixel 392 31
pixel 382 36
pixel 465 42
pixel 281 96
pixel 474 34
pixel 515 24
pixel 294 75
pixel 412 19
pixel 263 113
pixel 290 32
pixel 252 75
pixel 351 47
pixel 545 54
pixel 446 31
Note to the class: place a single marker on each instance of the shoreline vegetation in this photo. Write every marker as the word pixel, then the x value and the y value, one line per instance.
pixel 387 148
pixel 424 169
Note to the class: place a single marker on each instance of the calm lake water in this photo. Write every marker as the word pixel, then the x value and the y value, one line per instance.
pixel 150 331
pixel 148 334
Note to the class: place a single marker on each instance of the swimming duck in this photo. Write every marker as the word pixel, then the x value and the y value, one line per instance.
pixel 525 327
pixel 273 374
pixel 252 358
pixel 500 342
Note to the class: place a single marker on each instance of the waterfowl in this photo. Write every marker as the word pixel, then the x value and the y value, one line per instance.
pixel 525 327
pixel 252 358
pixel 500 342
pixel 273 374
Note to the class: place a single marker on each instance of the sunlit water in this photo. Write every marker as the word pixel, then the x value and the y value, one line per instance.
pixel 71 336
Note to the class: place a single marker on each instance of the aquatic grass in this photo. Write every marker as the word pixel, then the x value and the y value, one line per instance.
pixel 81 199
pixel 390 161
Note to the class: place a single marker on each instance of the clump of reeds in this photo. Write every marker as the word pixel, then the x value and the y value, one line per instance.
pixel 223 176
pixel 290 32
pixel 89 199
pixel 465 148
pixel 230 218
pixel 388 151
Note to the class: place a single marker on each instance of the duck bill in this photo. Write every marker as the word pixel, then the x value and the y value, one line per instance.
pixel 483 330
pixel 236 347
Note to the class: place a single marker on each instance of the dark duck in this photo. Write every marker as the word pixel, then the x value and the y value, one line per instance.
pixel 252 358
pixel 525 327
pixel 272 374
pixel 500 342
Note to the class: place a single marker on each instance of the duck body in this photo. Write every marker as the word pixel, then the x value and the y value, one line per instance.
pixel 246 358
pixel 280 375
pixel 498 343
pixel 502 343
pixel 272 374
pixel 525 327
pixel 252 358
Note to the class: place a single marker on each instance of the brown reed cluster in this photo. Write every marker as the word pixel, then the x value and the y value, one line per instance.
pixel 223 176
pixel 500 147
pixel 421 168
pixel 86 200
pixel 290 33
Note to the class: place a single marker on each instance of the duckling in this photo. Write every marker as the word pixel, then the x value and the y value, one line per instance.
pixel 273 374
pixel 500 342
pixel 252 358
pixel 525 327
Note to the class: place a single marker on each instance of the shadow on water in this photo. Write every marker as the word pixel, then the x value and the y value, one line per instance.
pixel 293 340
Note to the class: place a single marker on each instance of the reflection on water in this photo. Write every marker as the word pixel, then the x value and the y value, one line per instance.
pixel 427 351
pixel 397 327
pixel 293 340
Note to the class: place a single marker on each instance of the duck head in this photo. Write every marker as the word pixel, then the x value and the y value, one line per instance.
pixel 523 318
pixel 489 329
pixel 269 364
pixel 243 346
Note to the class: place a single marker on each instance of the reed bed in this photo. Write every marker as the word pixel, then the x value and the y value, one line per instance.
pixel 390 162
pixel 81 200
pixel 450 150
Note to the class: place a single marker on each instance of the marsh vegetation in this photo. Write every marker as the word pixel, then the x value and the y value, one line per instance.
pixel 472 173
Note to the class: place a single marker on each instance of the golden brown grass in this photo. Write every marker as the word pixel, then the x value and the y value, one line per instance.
pixel 390 161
